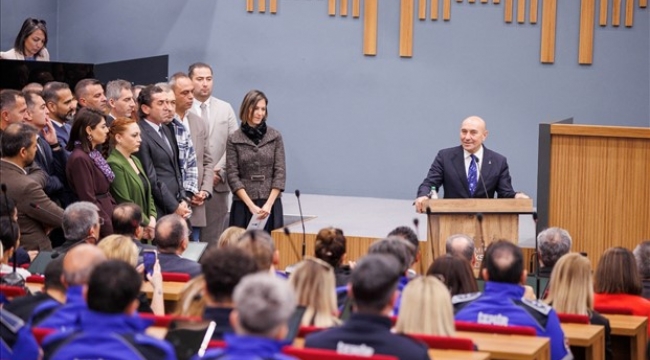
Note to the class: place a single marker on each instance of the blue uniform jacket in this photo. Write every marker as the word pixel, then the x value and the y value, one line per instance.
pixel 504 304
pixel 67 316
pixel 241 347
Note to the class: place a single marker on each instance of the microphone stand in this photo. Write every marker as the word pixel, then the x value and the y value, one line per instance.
pixel 302 221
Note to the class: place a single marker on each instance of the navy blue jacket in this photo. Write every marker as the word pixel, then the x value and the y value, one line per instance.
pixel 241 347
pixel 174 263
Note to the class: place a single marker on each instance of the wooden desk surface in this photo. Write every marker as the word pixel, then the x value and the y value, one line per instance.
pixel 34 287
pixel 634 328
pixel 171 290
pixel 516 347
pixel 591 337
pixel 626 325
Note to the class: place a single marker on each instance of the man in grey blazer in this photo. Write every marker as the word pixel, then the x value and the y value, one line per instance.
pixel 221 122
pixel 183 89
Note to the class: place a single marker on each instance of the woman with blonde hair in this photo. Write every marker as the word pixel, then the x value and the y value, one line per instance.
pixel 120 247
pixel 313 281
pixel 426 308
pixel 191 301
pixel 571 292
pixel 230 236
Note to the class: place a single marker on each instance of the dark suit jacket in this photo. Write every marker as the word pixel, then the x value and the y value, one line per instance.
pixel 53 163
pixel 161 166
pixel 448 171
pixel 177 264
pixel 63 134
pixel 128 187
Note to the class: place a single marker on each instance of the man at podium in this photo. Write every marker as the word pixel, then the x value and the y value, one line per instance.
pixel 469 170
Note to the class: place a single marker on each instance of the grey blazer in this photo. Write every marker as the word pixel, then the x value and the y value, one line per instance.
pixel 256 168
pixel 204 161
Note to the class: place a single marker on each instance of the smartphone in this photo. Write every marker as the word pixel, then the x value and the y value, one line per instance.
pixel 190 337
pixel 149 257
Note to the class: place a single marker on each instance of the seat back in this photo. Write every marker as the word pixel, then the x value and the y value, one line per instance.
pixel 495 329
pixel 35 279
pixel 573 318
pixel 41 333
pixel 613 310
pixel 216 344
pixel 445 342
pixel 306 330
pixel 320 354
pixel 176 277
pixel 11 292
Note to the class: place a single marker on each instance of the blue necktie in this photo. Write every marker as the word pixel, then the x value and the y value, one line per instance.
pixel 472 175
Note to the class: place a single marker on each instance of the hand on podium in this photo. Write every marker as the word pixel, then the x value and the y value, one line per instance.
pixel 420 204
pixel 521 195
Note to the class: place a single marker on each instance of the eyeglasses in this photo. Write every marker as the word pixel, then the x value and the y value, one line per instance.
pixel 101 221
pixel 320 262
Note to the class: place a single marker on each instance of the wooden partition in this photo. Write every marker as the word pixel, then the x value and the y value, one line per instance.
pixel 594 181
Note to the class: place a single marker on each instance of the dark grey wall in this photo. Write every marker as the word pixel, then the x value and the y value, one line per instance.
pixel 370 126
pixel 14 12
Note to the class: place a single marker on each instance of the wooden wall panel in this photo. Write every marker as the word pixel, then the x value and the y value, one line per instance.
pixel 331 7
pixel 406 28
pixel 422 9
pixel 356 8
pixel 508 11
pixel 344 8
pixel 534 5
pixel 616 12
pixel 273 7
pixel 435 9
pixel 249 5
pixel 643 3
pixel 587 18
pixel 370 27
pixel 261 6
pixel 603 13
pixel 521 11
pixel 549 18
pixel 446 10
pixel 629 13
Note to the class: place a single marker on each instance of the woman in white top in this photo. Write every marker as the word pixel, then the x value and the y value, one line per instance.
pixel 30 42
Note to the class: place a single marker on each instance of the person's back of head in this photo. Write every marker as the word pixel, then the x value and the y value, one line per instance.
pixel 79 219
pixel 120 247
pixel 407 234
pixel 80 262
pixel 400 249
pixel 259 245
pixel 191 301
pixel 460 245
pixel 330 246
pixel 642 256
pixel 52 275
pixel 263 305
pixel 373 283
pixel 455 272
pixel 571 288
pixel 171 233
pixel 113 288
pixel 127 219
pixel 617 273
pixel 223 268
pixel 504 263
pixel 426 308
pixel 9 235
pixel 315 285
pixel 552 244
pixel 15 137
pixel 230 236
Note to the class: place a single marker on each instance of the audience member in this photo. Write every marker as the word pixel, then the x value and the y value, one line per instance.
pixel 263 306
pixel 13 108
pixel 61 108
pixel 314 284
pixel 121 102
pixel 331 248
pixel 642 256
pixel 571 291
pixel 81 224
pixel 503 302
pixel 223 269
pixel 403 251
pixel 617 282
pixel 455 272
pixel 88 173
pixel 127 220
pixel 552 244
pixel 221 121
pixel 373 287
pixel 191 301
pixel 30 43
pixel 406 233
pixel 108 325
pixel 90 94
pixel 131 183
pixel 8 208
pixel 10 239
pixel 18 152
pixel 230 236
pixel 260 246
pixel 256 188
pixel 157 154
pixel 192 134
pixel 172 237
pixel 461 245
pixel 426 308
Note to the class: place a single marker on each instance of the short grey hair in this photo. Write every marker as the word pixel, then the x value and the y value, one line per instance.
pixel 164 86
pixel 114 88
pixel 264 302
pixel 174 78
pixel 400 249
pixel 78 219
pixel 552 243
pixel 467 251
pixel 642 256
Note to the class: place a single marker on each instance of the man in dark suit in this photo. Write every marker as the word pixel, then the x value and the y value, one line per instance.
pixel 172 237
pixel 61 107
pixel 159 154
pixel 469 170
pixel 120 100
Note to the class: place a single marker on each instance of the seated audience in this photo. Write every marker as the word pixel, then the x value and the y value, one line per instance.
pixel 455 272
pixel 461 245
pixel 552 244
pixel 642 256
pixel 120 247
pixel 331 248
pixel 127 221
pixel 373 287
pixel 314 284
pixel 260 246
pixel 503 302
pixel 10 238
pixel 30 43
pixel 263 305
pixel 172 237
pixel 403 252
pixel 426 308
pixel 191 301
pixel 617 282
pixel 81 224
pixel 571 291
pixel 223 269
pixel 108 327
pixel 33 87
pixel 230 236
pixel 406 233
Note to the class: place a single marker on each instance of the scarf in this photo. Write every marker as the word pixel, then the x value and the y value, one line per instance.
pixel 100 162
pixel 254 133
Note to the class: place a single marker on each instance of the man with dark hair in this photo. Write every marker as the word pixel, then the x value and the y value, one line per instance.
pixel 642 256
pixel 61 107
pixel 159 154
pixel 223 268
pixel 406 233
pixel 172 237
pixel 461 245
pixel 221 121
pixel 120 100
pixel 127 220
pixel 108 325
pixel 18 147
pixel 552 244
pixel 90 93
pixel 13 108
pixel 373 288
pixel 404 252
pixel 503 302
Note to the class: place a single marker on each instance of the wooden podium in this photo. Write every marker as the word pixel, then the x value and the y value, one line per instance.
pixel 459 216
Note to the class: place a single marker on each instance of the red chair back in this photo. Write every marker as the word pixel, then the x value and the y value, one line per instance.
pixel 445 342
pixel 176 277
pixel 306 330
pixel 496 329
pixel 573 318
pixel 11 292
pixel 35 279
pixel 165 320
pixel 320 354
pixel 216 344
pixel 613 310
pixel 41 333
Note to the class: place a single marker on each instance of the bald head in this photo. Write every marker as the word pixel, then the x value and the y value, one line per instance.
pixel 171 234
pixel 460 245
pixel 504 262
pixel 472 133
pixel 79 262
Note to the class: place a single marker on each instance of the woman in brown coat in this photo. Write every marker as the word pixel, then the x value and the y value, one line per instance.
pixel 88 173
pixel 255 166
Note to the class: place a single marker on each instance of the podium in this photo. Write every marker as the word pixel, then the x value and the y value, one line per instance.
pixel 459 216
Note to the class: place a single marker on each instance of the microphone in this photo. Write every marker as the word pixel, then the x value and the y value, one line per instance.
pixel 289 269
pixel 479 218
pixel 38 207
pixel 416 225
pixel 302 221
pixel 430 232
pixel 480 174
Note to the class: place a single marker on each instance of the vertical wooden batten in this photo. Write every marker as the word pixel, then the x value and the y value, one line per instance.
pixel 446 10
pixel 587 18
pixel 370 27
pixel 616 13
pixel 406 28
pixel 629 13
pixel 422 9
pixel 521 11
pixel 549 18
pixel 435 9
pixel 273 7
pixel 356 8
pixel 344 8
pixel 249 5
pixel 533 11
pixel 603 13
pixel 331 7
pixel 507 12
pixel 261 6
